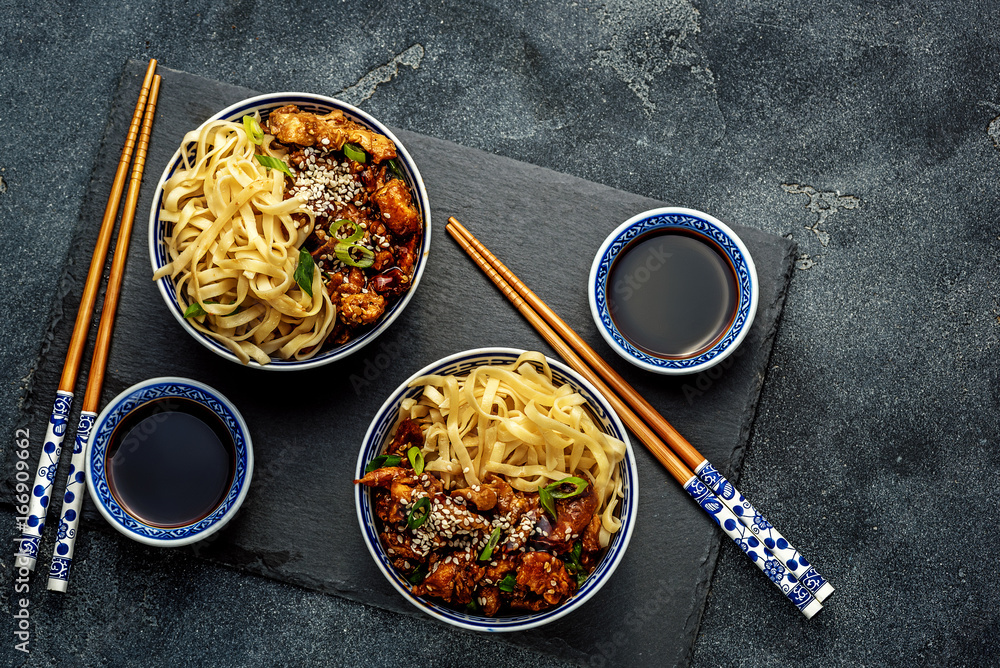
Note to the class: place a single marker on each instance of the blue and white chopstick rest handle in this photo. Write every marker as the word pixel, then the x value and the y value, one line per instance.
pixel 757 551
pixel 76 486
pixel 41 489
pixel 765 531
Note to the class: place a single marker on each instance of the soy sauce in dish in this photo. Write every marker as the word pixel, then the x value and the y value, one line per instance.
pixel 672 294
pixel 170 462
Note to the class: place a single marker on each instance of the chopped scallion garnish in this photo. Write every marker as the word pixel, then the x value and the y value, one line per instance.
pixel 508 582
pixel 194 310
pixel 381 461
pixel 274 163
pixel 416 459
pixel 545 498
pixel 355 153
pixel 254 131
pixel 354 236
pixel 548 494
pixel 346 251
pixel 557 488
pixel 488 550
pixel 418 575
pixel 304 272
pixel 394 169
pixel 419 513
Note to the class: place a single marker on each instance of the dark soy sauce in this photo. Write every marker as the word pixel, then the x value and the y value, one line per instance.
pixel 672 294
pixel 170 462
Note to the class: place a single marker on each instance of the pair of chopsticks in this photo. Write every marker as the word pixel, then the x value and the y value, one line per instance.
pixel 31 531
pixel 751 531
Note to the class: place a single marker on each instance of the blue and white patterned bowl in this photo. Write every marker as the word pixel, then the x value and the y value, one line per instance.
pixel 128 401
pixel 692 222
pixel 319 104
pixel 378 437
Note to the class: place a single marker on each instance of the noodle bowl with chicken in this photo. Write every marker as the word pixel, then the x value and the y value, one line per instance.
pixel 505 494
pixel 284 234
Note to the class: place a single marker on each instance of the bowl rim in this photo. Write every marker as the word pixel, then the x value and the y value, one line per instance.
pixel 272 101
pixel 129 400
pixel 605 569
pixel 674 218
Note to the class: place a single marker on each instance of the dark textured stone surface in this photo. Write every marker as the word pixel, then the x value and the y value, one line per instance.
pixel 865 131
pixel 297 523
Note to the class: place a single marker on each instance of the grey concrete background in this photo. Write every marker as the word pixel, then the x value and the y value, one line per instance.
pixel 868 132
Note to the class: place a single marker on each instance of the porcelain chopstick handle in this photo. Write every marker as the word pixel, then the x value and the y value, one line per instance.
pixel 790 558
pixel 757 551
pixel 76 487
pixel 41 489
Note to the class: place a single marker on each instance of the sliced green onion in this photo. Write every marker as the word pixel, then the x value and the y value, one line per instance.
pixel 343 251
pixel 254 131
pixel 355 153
pixel 194 310
pixel 274 163
pixel 556 488
pixel 545 498
pixel 573 559
pixel 488 550
pixel 508 582
pixel 337 224
pixel 381 461
pixel 472 606
pixel 573 565
pixel 304 272
pixel 416 459
pixel 419 513
pixel 394 169
pixel 418 575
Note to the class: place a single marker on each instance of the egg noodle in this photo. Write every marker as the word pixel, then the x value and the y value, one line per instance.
pixel 513 421
pixel 234 248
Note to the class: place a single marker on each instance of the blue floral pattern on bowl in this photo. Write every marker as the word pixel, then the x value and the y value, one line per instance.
pixel 117 410
pixel 378 436
pixel 702 225
pixel 319 104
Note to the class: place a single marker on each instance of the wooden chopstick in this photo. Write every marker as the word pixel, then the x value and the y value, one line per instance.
pixel 34 525
pixel 733 522
pixel 650 415
pixel 62 557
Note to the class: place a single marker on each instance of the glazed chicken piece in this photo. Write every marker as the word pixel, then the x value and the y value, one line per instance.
pixel 488 599
pixel 545 575
pixel 332 131
pixel 407 435
pixel 397 208
pixel 401 483
pixel 452 579
pixel 399 545
pixel 573 515
pixel 450 518
pixel 510 503
pixel 361 308
pixel 484 497
pixel 504 565
pixel 592 536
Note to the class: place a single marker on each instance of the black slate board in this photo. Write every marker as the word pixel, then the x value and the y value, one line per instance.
pixel 298 522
